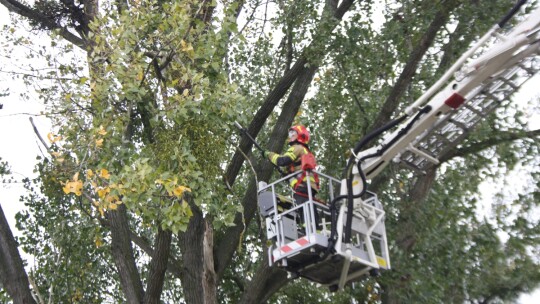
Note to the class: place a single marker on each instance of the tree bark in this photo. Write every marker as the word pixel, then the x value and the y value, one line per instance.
pixel 266 281
pixel 158 267
pixel 172 263
pixel 122 252
pixel 12 274
pixel 198 278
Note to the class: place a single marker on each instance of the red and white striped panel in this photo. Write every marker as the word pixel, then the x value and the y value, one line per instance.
pixel 301 242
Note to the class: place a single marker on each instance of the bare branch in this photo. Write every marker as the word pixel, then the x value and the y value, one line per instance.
pixel 500 138
pixel 34 15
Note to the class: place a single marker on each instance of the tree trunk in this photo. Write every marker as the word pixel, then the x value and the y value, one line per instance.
pixel 199 277
pixel 122 252
pixel 158 267
pixel 12 274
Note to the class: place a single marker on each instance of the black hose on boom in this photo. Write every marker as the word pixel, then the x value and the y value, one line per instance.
pixel 512 12
pixel 348 175
pixel 359 146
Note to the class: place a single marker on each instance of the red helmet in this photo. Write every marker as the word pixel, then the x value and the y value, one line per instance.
pixel 303 134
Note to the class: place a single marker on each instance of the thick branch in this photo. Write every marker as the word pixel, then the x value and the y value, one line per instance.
pixel 144 245
pixel 266 281
pixel 172 264
pixel 406 77
pixel 158 266
pixel 500 138
pixel 34 15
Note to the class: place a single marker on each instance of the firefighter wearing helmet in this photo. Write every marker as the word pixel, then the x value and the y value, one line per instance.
pixel 292 161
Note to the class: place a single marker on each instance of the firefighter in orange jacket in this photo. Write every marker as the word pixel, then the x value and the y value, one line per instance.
pixel 292 161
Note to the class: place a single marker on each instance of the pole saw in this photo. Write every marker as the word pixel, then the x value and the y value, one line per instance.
pixel 245 132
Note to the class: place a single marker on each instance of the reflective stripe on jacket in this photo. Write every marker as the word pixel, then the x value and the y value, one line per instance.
pixel 292 160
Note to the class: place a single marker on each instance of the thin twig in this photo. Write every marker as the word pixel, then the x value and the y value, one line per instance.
pixel 39 135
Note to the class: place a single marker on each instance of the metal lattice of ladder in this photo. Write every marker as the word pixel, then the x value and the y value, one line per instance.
pixel 452 129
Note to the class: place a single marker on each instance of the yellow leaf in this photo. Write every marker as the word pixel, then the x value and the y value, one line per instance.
pixel 111 199
pixel 140 75
pixel 317 79
pixel 76 176
pixel 56 154
pixel 113 206
pixel 104 173
pixel 102 192
pixel 66 189
pixel 89 173
pixel 99 142
pixel 78 188
pixel 183 44
pixel 101 211
pixel 52 138
pixel 98 242
pixel 73 187
pixel 178 191
pixel 102 131
pixel 185 93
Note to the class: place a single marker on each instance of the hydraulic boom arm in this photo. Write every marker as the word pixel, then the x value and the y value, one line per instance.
pixel 509 62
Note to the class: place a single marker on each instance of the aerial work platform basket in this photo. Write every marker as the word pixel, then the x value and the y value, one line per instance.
pixel 307 243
